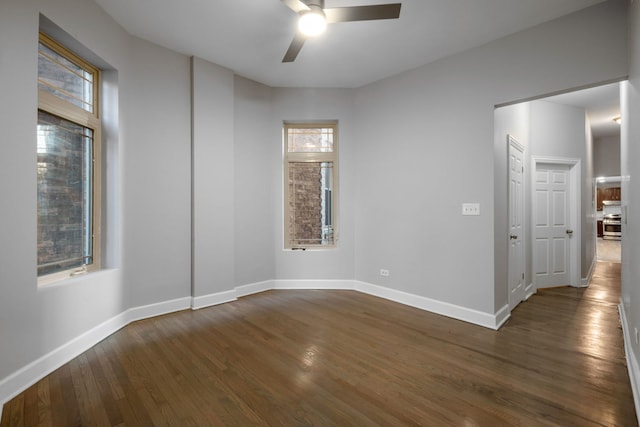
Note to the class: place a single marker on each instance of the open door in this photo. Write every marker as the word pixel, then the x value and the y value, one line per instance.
pixel 516 223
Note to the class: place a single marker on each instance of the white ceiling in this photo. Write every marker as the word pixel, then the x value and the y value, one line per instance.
pixel 250 37
pixel 602 104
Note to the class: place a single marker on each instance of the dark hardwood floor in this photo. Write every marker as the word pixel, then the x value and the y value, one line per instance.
pixel 296 358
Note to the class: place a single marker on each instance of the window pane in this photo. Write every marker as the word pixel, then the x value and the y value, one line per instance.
pixel 311 203
pixel 64 194
pixel 64 79
pixel 310 140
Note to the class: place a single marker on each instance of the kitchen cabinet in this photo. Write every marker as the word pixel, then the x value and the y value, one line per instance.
pixel 611 193
pixel 600 228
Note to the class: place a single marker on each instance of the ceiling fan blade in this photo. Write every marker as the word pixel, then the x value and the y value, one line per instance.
pixel 363 13
pixel 296 5
pixel 294 47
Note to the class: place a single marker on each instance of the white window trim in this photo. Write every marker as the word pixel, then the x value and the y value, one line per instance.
pixel 52 104
pixel 311 158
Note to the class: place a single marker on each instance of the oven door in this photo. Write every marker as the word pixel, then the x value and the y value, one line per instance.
pixel 611 229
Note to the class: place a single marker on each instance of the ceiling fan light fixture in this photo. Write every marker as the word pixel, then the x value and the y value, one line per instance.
pixel 313 22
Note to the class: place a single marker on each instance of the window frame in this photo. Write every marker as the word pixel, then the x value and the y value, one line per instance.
pixel 54 105
pixel 310 157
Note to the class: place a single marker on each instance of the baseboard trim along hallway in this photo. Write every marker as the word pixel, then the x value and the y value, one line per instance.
pixel 632 365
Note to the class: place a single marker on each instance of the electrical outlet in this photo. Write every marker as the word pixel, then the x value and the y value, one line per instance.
pixel 384 272
pixel 471 209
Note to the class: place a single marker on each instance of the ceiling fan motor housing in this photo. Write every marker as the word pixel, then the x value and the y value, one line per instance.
pixel 317 3
pixel 313 18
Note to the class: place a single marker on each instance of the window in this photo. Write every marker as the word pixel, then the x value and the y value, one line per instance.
pixel 68 163
pixel 310 170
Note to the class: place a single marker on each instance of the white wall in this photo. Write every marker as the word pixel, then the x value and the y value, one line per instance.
pixel 589 232
pixel 562 131
pixel 606 153
pixel 213 216
pixel 630 170
pixel 514 120
pixel 412 148
pixel 147 183
pixel 317 104
pixel 549 130
pixel 155 124
pixel 257 189
pixel 426 146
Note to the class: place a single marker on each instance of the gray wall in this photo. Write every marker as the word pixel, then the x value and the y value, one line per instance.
pixel 147 151
pixel 213 173
pixel 412 148
pixel 549 130
pixel 606 154
pixel 514 120
pixel 257 188
pixel 155 192
pixel 426 145
pixel 630 170
pixel 562 131
pixel 317 104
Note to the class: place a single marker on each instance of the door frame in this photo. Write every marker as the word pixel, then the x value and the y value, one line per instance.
pixel 575 215
pixel 513 142
pixel 603 180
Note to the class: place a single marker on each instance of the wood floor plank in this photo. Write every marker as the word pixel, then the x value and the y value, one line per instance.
pixel 320 357
pixel 31 412
pixel 44 403
pixel 68 396
pixel 60 413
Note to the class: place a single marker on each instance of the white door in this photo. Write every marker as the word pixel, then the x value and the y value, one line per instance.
pixel 552 230
pixel 516 224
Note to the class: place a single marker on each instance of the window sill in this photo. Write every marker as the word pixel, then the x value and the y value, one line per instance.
pixel 311 249
pixel 64 276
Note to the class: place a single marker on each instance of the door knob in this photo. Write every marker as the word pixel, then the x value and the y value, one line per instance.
pixel 513 236
pixel 569 232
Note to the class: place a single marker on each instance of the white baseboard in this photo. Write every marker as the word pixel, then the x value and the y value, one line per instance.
pixel 434 306
pixel 314 284
pixel 254 288
pixel 632 363
pixel 492 321
pixel 584 282
pixel 213 299
pixel 22 379
pixel 502 316
pixel 529 291
pixel 157 309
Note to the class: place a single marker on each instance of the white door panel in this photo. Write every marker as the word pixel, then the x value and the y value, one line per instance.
pixel 559 257
pixel 541 256
pixel 542 209
pixel 551 220
pixel 559 208
pixel 516 274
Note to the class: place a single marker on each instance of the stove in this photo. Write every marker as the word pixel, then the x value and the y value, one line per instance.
pixel 612 220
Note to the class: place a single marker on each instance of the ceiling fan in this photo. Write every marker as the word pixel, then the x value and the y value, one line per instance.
pixel 313 18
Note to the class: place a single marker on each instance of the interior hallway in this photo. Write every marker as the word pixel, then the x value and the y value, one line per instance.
pixel 609 250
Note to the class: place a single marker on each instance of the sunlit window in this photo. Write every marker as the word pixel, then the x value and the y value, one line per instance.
pixel 310 185
pixel 67 138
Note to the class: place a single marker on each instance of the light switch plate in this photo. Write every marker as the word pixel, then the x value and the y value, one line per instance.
pixel 471 209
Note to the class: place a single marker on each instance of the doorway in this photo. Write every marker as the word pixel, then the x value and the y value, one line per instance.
pixel 566 126
pixel 556 222
pixel 608 214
